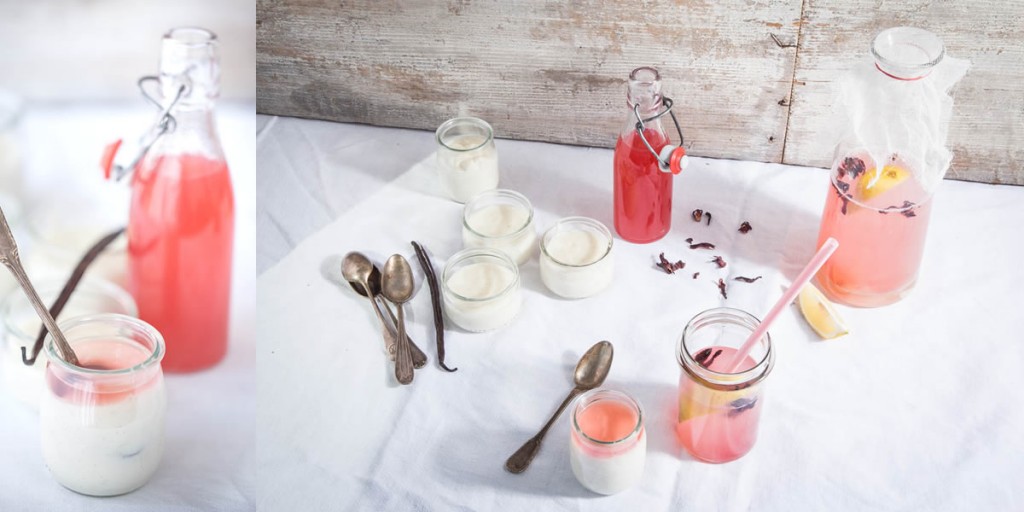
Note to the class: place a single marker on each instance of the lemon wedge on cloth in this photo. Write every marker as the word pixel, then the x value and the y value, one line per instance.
pixel 874 184
pixel 820 313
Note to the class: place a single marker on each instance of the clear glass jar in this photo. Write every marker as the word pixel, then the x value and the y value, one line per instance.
pixel 481 289
pixel 102 423
pixel 21 326
pixel 607 442
pixel 886 167
pixel 467 161
pixel 59 235
pixel 576 258
pixel 503 220
pixel 719 412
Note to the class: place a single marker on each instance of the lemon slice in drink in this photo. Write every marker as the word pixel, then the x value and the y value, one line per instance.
pixel 820 313
pixel 874 184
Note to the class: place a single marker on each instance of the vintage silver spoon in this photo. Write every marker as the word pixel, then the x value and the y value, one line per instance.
pixel 9 257
pixel 590 373
pixel 361 275
pixel 397 285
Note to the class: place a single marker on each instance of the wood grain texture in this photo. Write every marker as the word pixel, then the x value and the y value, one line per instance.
pixel 549 71
pixel 987 130
pixel 555 71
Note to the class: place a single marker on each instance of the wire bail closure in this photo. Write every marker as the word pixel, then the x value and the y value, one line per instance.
pixel 672 158
pixel 165 123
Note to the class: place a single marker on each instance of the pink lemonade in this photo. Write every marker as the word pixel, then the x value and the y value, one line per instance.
pixel 100 354
pixel 714 425
pixel 180 237
pixel 880 225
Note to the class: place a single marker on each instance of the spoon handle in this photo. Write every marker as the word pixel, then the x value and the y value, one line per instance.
pixel 419 359
pixel 521 459
pixel 9 257
pixel 403 358
pixel 390 338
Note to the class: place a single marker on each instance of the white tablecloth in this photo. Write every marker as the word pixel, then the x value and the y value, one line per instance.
pixel 918 409
pixel 209 414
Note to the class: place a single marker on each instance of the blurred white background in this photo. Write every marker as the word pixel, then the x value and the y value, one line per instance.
pixel 95 49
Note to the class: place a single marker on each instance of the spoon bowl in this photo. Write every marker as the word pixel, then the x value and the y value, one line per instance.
pixel 397 286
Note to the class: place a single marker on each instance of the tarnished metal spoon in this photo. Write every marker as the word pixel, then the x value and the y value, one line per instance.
pixel 590 373
pixel 9 257
pixel 397 285
pixel 361 275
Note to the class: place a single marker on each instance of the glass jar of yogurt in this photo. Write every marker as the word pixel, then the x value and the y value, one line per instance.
pixel 21 327
pixel 503 220
pixel 607 442
pixel 481 289
pixel 576 258
pixel 102 422
pixel 59 237
pixel 467 161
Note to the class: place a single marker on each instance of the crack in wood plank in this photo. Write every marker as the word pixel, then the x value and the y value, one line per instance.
pixel 792 83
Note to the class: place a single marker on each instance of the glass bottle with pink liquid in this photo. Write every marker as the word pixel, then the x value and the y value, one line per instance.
pixel 181 223
pixel 719 411
pixel 645 162
pixel 887 166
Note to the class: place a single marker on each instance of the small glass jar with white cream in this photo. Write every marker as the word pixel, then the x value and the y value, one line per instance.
pixel 576 259
pixel 21 327
pixel 503 220
pixel 481 289
pixel 467 161
pixel 102 420
pixel 607 441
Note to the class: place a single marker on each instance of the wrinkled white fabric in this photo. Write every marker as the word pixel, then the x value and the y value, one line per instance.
pixel 917 409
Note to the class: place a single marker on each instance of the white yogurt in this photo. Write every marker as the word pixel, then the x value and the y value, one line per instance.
pixel 467 161
pixel 481 289
pixel 608 466
pixel 576 259
pixel 102 430
pixel 502 220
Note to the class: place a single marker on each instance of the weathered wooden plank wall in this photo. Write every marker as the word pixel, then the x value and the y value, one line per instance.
pixel 555 71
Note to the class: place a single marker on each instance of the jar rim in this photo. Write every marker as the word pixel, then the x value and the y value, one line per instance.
pixel 150 332
pixel 724 380
pixel 467 120
pixel 498 192
pixel 578 220
pixel 608 394
pixel 885 43
pixel 466 254
pixel 90 284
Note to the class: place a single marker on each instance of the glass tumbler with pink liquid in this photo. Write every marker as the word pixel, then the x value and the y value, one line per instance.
pixel 719 411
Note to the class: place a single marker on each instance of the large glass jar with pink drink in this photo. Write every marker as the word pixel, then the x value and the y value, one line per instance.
pixel 893 113
pixel 719 410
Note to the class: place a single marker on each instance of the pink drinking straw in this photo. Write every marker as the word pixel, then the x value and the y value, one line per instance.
pixel 806 274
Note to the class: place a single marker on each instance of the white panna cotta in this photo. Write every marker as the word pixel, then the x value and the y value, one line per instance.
pixel 481 289
pixel 607 441
pixel 576 258
pixel 467 161
pixel 102 422
pixel 502 220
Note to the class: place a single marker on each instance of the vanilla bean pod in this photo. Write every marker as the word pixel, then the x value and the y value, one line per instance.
pixel 435 301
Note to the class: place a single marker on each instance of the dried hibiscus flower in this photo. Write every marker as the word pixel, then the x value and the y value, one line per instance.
pixel 702 245
pixel 708 215
pixel 852 166
pixel 668 266
pixel 689 240
pixel 747 279
pixel 745 227
pixel 721 288
pixel 697 214
pixel 695 274
pixel 719 261
pixel 705 358
pixel 906 210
